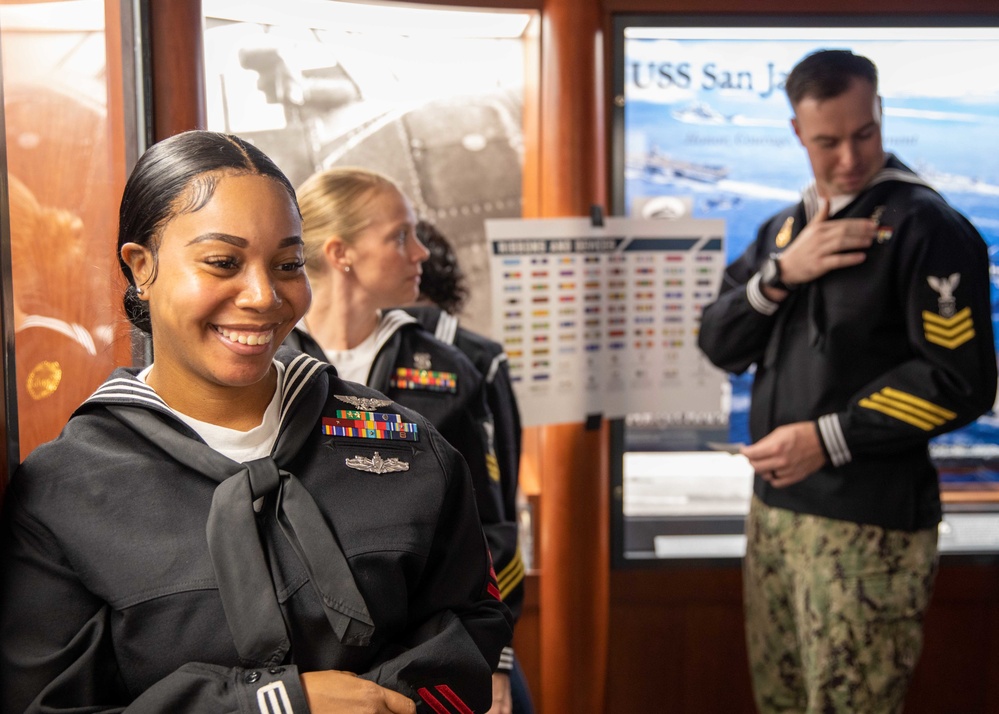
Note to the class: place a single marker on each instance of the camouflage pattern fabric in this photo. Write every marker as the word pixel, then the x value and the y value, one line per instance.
pixel 834 611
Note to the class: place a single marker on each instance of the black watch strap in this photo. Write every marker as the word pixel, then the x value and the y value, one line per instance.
pixel 770 275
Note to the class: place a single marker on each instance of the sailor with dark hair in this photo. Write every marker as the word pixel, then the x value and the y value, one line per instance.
pixel 865 308
pixel 235 528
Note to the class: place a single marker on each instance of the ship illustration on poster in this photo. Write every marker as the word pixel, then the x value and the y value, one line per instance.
pixel 658 163
pixel 699 113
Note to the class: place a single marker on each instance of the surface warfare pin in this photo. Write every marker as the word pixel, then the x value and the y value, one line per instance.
pixel 376 464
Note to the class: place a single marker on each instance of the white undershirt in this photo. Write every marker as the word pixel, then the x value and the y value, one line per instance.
pixel 837 203
pixel 354 365
pixel 238 445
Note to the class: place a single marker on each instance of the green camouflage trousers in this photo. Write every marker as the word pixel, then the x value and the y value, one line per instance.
pixel 834 611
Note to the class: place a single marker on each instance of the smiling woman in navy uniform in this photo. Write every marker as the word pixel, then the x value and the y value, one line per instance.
pixel 363 258
pixel 234 528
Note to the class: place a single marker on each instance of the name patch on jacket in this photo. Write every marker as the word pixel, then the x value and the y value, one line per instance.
pixel 429 380
pixel 370 425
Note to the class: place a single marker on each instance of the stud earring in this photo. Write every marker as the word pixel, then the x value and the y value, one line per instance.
pixel 346 268
pixel 138 290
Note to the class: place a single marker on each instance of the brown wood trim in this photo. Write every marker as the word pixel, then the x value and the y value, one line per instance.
pixel 572 146
pixel 479 4
pixel 977 495
pixel 575 580
pixel 176 39
pixel 120 154
pixel 574 530
pixel 531 177
pixel 814 7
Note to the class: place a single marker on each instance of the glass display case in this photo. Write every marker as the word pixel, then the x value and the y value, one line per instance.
pixel 65 116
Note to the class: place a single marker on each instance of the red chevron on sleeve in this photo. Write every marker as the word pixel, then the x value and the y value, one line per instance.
pixel 438 706
pixel 492 587
pixel 455 700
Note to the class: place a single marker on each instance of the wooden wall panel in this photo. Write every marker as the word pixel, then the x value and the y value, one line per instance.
pixel 177 56
pixel 959 667
pixel 677 642
pixel 574 524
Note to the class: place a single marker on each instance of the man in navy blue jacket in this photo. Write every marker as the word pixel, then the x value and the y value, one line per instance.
pixel 866 310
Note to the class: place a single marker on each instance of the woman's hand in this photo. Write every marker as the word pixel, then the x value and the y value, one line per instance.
pixel 335 692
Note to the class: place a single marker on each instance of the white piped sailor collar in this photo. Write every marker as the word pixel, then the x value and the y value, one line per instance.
pixel 125 388
pixel 893 170
pixel 447 328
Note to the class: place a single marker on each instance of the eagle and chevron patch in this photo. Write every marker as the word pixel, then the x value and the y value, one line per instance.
pixel 951 328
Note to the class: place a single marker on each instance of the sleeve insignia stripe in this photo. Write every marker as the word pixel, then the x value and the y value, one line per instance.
pixel 511 576
pixel 948 332
pixel 918 402
pixel 907 408
pixel 832 437
pixel 492 467
pixel 935 319
pixel 901 416
pixel 951 344
pixel 948 341
pixel 945 333
pixel 273 699
pixel 448 694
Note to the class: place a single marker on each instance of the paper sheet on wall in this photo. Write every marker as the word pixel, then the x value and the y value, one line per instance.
pixel 604 319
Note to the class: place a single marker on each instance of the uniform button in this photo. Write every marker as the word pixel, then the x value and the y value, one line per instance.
pixel 276 670
pixel 252 677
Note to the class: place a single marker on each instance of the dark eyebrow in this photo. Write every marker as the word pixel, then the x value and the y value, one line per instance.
pixel 861 130
pixel 242 242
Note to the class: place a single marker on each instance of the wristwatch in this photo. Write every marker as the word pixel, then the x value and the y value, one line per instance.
pixel 770 275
